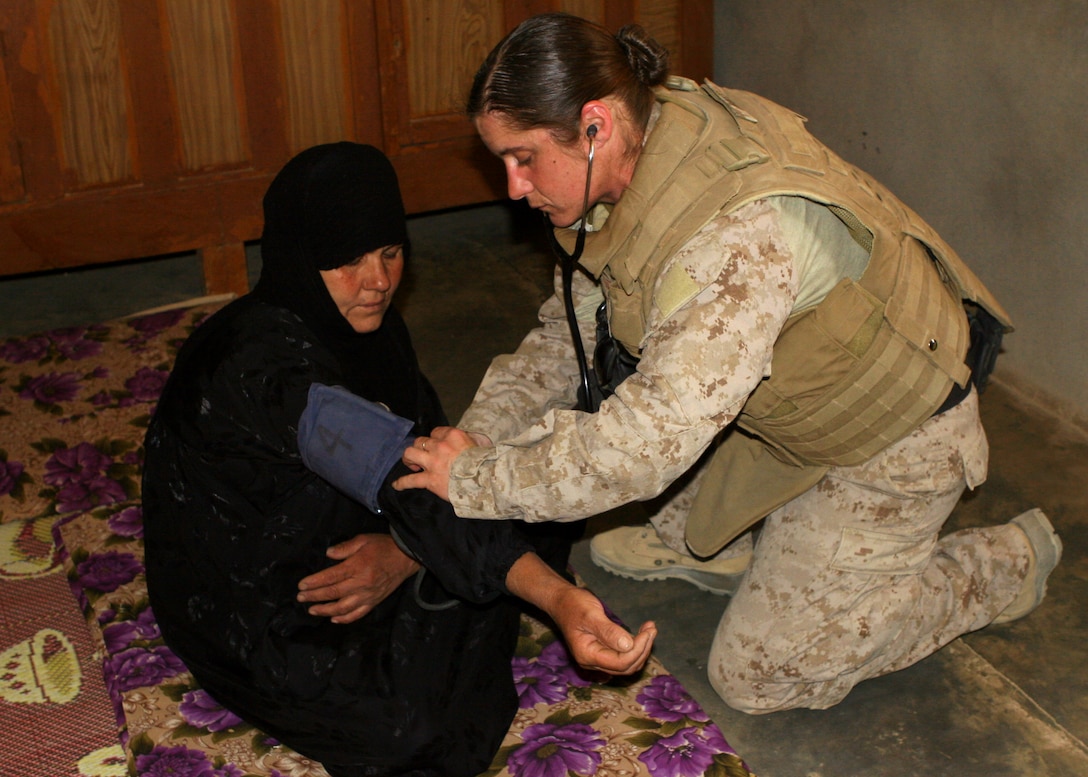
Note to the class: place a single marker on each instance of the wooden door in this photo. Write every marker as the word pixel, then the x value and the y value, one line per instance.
pixel 134 128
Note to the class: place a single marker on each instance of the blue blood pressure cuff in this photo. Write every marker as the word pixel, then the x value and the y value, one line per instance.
pixel 350 441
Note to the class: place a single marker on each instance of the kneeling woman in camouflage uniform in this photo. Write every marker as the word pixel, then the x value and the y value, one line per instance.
pixel 803 355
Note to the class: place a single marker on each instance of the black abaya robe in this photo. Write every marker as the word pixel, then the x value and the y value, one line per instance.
pixel 234 520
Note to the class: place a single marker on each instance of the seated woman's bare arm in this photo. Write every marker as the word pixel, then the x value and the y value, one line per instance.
pixel 595 641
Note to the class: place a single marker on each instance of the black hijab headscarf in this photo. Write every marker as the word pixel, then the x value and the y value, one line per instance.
pixel 328 205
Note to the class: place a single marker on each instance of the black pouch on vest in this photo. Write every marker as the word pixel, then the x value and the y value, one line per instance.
pixel 611 361
pixel 986 334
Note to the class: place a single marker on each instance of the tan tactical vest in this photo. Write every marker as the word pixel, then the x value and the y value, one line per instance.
pixel 850 376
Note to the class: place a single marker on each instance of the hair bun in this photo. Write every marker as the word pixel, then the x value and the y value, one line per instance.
pixel 648 59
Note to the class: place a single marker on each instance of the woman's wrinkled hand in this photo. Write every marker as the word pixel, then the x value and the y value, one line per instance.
pixel 371 567
pixel 597 642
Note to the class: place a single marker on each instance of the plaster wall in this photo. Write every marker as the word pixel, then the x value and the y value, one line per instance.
pixel 975 114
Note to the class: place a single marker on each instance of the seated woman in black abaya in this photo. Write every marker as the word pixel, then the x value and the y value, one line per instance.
pixel 368 629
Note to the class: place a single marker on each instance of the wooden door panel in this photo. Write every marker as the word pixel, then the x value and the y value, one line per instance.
pixel 85 54
pixel 152 117
pixel 11 170
pixel 316 69
pixel 33 98
pixel 207 87
pixel 446 42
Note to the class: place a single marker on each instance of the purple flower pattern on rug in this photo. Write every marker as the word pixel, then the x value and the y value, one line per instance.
pixel 537 683
pixel 687 753
pixel 151 326
pixel 79 474
pixel 548 678
pixel 52 388
pixel 128 522
pixel 20 350
pixel 80 464
pixel 91 493
pixel 100 398
pixel 138 667
pixel 154 323
pixel 106 572
pixel 112 375
pixel 665 698
pixel 66 344
pixel 77 343
pixel 198 708
pixel 178 761
pixel 556 657
pixel 551 750
pixel 147 384
pixel 122 634
pixel 10 472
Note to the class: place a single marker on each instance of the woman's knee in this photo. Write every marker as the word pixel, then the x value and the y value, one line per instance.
pixel 769 673
pixel 737 672
pixel 734 690
pixel 752 696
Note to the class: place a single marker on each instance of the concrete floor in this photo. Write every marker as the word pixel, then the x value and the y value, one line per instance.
pixel 1010 700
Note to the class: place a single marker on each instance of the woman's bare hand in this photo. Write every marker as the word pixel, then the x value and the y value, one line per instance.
pixel 371 567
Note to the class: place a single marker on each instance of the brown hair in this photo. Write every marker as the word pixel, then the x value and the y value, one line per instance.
pixel 549 66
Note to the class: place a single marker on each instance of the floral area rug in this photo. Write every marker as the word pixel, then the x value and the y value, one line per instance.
pixel 87 687
pixel 74 405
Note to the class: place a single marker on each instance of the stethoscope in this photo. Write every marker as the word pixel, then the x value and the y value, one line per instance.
pixel 589 392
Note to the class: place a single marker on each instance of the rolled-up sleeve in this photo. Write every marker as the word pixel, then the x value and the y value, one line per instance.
pixel 542 374
pixel 699 364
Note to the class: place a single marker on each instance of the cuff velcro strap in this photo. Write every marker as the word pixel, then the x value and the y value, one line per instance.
pixel 350 441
